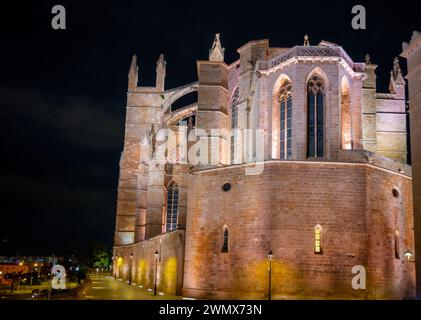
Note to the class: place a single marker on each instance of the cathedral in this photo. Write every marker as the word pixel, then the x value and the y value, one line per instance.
pixel 287 179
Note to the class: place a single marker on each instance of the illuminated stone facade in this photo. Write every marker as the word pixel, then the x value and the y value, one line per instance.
pixel 412 52
pixel 328 153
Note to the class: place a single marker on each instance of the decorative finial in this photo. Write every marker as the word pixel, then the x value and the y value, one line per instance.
pixel 133 73
pixel 396 77
pixel 396 68
pixel 306 41
pixel 367 59
pixel 134 61
pixel 216 53
pixel 161 59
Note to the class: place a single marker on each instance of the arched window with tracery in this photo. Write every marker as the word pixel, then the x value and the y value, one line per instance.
pixel 285 116
pixel 315 116
pixel 234 122
pixel 172 207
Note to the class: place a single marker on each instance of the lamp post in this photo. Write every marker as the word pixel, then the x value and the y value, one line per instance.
pixel 409 256
pixel 156 271
pixel 130 270
pixel 270 257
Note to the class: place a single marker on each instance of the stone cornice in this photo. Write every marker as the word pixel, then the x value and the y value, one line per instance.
pixel 313 59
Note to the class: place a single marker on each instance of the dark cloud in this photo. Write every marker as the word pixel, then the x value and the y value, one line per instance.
pixel 59 169
pixel 76 120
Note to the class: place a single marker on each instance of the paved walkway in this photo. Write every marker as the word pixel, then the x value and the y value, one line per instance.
pixel 105 287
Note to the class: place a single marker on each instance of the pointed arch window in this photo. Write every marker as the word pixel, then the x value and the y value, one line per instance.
pixel 397 249
pixel 285 129
pixel 234 123
pixel 225 245
pixel 315 114
pixel 318 239
pixel 172 207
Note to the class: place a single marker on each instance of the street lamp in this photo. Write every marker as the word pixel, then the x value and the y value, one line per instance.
pixel 156 271
pixel 409 255
pixel 131 265
pixel 270 257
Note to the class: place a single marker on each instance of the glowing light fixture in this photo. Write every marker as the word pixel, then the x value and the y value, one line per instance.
pixel 409 256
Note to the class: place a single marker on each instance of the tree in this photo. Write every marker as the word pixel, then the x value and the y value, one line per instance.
pixel 96 255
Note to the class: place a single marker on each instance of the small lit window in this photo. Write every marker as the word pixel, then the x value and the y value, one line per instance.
pixel 225 245
pixel 318 239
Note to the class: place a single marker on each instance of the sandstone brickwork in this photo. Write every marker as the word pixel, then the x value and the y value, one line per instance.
pixel 341 197
pixel 412 52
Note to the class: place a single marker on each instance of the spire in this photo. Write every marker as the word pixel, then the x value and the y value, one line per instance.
pixel 133 73
pixel 216 53
pixel 160 72
pixel 367 59
pixel 161 60
pixel 306 41
pixel 396 78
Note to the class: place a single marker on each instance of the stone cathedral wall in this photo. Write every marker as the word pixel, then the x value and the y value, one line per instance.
pixel 143 264
pixel 278 210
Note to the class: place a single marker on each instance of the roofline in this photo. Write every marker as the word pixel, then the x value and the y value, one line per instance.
pixel 253 42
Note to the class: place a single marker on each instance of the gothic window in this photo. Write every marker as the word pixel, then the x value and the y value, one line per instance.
pixel 397 245
pixel 225 245
pixel 315 111
pixel 172 207
pixel 234 122
pixel 285 103
pixel 318 239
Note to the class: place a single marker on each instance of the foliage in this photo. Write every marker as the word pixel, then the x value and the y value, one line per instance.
pixel 96 255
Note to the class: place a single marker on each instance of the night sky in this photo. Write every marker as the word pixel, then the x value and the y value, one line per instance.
pixel 62 92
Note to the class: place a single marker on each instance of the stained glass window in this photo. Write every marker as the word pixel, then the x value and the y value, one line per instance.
pixel 172 207
pixel 315 131
pixel 285 102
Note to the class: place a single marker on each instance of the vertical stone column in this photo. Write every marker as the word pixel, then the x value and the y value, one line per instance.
pixel 212 108
pixel 143 118
pixel 412 52
pixel 369 107
pixel 356 113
